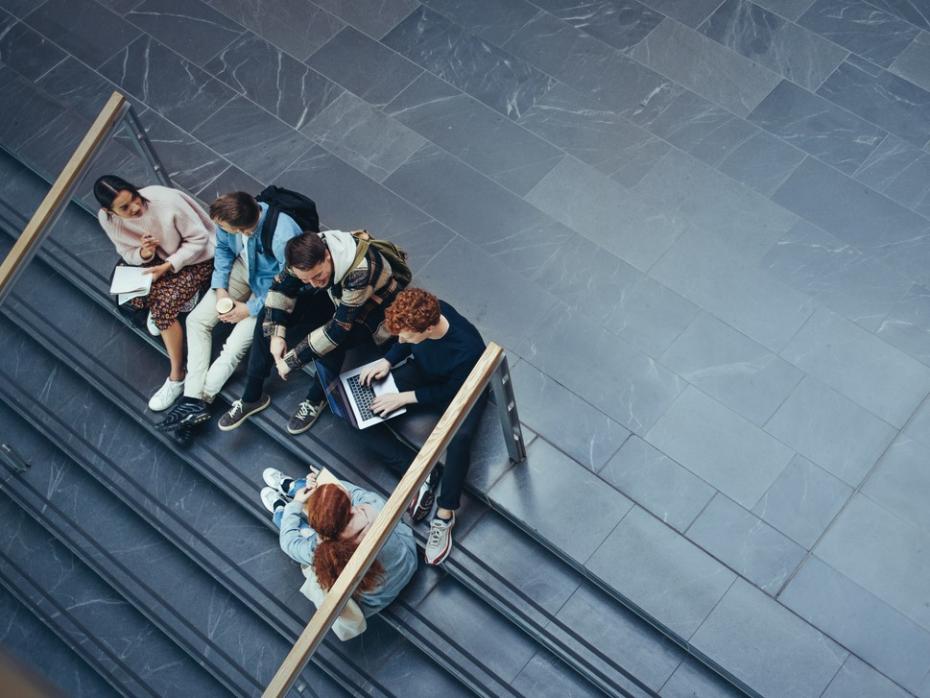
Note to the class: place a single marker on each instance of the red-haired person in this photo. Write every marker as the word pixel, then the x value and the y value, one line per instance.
pixel 440 348
pixel 321 526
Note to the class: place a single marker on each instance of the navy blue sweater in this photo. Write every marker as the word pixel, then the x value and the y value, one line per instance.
pixel 445 362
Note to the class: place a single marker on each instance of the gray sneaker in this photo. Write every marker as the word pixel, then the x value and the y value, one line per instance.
pixel 439 541
pixel 241 411
pixel 305 415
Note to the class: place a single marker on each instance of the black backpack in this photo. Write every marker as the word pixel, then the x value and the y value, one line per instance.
pixel 299 207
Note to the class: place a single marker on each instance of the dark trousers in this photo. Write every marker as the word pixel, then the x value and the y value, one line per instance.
pixel 399 456
pixel 311 311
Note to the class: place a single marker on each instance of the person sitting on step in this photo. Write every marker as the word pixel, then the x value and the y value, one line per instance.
pixel 322 525
pixel 439 348
pixel 170 234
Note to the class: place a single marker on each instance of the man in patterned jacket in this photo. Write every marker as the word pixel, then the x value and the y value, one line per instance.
pixel 300 323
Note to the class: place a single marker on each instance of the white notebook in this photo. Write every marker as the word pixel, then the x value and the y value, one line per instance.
pixel 130 282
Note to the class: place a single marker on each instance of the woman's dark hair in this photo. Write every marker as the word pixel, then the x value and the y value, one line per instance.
pixel 329 511
pixel 304 251
pixel 237 209
pixel 108 187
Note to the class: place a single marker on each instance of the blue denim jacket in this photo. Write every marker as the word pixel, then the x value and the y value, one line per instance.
pixel 398 556
pixel 262 268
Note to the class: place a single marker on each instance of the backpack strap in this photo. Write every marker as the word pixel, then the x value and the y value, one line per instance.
pixel 362 242
pixel 268 228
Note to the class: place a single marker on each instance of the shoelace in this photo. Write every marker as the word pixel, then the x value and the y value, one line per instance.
pixel 303 409
pixel 236 407
pixel 435 534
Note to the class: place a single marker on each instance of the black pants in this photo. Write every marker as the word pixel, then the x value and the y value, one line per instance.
pixel 399 456
pixel 311 311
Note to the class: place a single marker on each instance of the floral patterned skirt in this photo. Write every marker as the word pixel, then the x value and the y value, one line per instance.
pixel 172 291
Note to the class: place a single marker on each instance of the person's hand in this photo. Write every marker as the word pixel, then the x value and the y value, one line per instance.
pixel 311 479
pixel 158 271
pixel 385 404
pixel 375 372
pixel 283 368
pixel 277 346
pixel 239 312
pixel 303 494
pixel 149 245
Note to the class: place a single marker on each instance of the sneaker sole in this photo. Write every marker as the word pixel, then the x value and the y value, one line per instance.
pixel 236 425
pixel 196 421
pixel 295 432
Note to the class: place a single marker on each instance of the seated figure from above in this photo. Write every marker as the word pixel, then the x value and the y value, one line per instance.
pixel 322 525
pixel 438 348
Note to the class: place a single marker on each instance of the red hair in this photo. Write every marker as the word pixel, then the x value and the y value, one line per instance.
pixel 413 310
pixel 329 511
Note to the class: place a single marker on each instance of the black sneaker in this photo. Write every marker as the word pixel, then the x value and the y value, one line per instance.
pixel 422 504
pixel 241 411
pixel 304 417
pixel 188 412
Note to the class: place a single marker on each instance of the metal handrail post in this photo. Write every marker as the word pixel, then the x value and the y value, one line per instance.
pixel 502 385
pixel 52 206
pixel 144 146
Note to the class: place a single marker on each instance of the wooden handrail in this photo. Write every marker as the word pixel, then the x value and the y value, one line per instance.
pixel 377 536
pixel 60 193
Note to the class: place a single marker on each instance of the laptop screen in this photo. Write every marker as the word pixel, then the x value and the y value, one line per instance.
pixel 330 382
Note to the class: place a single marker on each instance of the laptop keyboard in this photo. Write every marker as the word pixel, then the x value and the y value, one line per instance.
pixel 363 395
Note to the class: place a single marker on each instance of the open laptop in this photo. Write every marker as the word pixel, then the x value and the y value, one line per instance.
pixel 351 400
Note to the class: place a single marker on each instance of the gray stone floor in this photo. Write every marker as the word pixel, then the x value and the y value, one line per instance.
pixel 700 228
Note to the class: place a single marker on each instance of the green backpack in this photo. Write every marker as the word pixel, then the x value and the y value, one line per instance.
pixel 395 256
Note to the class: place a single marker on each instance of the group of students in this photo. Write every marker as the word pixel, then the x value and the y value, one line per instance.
pixel 294 295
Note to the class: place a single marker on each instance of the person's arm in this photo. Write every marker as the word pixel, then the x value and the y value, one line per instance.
pixel 279 304
pixel 195 236
pixel 398 352
pixel 298 547
pixel 125 244
pixel 442 393
pixel 223 259
pixel 360 496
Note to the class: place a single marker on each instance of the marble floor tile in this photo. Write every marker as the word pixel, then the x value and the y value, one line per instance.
pixel 895 104
pixel 657 483
pixel 860 27
pixel 907 324
pixel 475 133
pixel 166 82
pixel 705 67
pixel 571 424
pixel 326 178
pixel 857 364
pixel 229 180
pixel 504 82
pixel 363 66
pixel 651 316
pixel 831 430
pixel 83 28
pixel 584 63
pixel 192 28
pixel 492 20
pixel 547 677
pixel 369 140
pixel 690 12
pixel 731 368
pixel 673 580
pixel 274 80
pixel 25 50
pixel 877 633
pixel 602 211
pixel 762 36
pixel 763 162
pixel 33 107
pixel 20 8
pixel 758 640
pixel 802 501
pixel 881 553
pixel 620 23
pixel 899 170
pixel 746 544
pixel 914 62
pixel 296 26
pixel 374 17
pixel 900 480
pixel 539 495
pixel 720 447
pixel 857 678
pixel 692 679
pixel 842 277
pixel 252 139
pixel 78 87
pixel 577 124
pixel 817 126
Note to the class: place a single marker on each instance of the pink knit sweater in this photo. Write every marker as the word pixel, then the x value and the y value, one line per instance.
pixel 184 231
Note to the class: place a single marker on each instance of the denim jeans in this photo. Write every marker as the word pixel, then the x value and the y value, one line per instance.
pixel 292 490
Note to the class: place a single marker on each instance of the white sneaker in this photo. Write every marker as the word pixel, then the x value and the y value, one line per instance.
pixel 166 395
pixel 275 479
pixel 271 499
pixel 151 326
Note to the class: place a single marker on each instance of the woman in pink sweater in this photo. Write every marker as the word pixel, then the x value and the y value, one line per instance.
pixel 168 232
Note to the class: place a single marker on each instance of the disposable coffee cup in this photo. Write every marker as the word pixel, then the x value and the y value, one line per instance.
pixel 224 305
